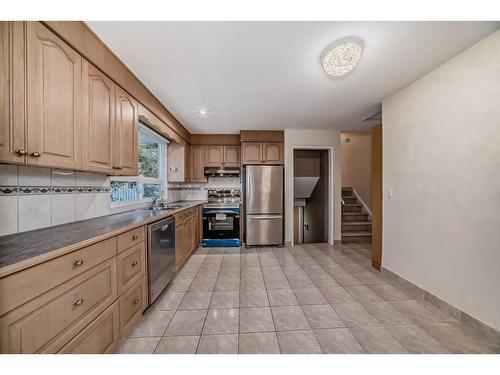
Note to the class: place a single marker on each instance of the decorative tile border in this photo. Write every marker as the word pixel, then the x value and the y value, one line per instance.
pixel 41 190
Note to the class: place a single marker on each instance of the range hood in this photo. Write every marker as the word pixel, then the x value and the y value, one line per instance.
pixel 222 172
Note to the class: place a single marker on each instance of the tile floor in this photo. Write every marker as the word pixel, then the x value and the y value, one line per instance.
pixel 313 298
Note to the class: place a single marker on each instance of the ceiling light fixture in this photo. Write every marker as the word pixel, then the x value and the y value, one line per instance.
pixel 341 57
pixel 202 112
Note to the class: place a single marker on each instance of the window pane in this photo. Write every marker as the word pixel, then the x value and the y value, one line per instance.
pixel 151 190
pixel 149 156
pixel 124 191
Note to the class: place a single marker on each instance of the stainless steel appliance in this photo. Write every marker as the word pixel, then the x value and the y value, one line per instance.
pixel 264 205
pixel 221 218
pixel 221 172
pixel 161 256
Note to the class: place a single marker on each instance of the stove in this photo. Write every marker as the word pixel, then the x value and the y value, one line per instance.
pixel 221 218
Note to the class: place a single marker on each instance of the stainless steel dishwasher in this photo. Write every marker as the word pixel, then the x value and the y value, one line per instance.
pixel 161 256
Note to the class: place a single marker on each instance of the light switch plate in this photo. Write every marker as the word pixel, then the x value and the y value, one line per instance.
pixel 390 192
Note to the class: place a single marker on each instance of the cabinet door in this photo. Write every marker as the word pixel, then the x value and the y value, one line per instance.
pixel 189 237
pixel 98 129
pixel 214 156
pixel 187 162
pixel 232 156
pixel 272 152
pixel 127 128
pixel 251 152
pixel 12 116
pixel 197 163
pixel 54 100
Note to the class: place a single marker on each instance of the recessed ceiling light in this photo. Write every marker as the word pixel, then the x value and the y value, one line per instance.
pixel 341 57
pixel 202 112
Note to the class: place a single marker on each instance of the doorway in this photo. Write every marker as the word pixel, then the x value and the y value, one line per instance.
pixel 311 198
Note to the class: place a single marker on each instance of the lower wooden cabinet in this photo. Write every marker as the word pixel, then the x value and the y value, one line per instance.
pixel 99 337
pixel 187 234
pixel 47 323
pixel 131 266
pixel 132 303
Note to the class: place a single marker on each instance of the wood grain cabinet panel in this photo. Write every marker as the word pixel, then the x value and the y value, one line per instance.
pixel 25 285
pixel 130 238
pixel 131 266
pixel 198 163
pixel 12 91
pixel 98 129
pixel 232 156
pixel 126 138
pixel 132 303
pixel 54 100
pixel 251 152
pixel 99 337
pixel 272 152
pixel 47 323
pixel 214 155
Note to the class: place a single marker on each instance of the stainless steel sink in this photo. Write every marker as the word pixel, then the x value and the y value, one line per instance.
pixel 168 206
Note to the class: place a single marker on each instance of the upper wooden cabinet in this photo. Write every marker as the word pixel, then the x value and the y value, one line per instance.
pixel 12 115
pixel 98 129
pixel 272 152
pixel 126 134
pixel 197 163
pixel 54 100
pixel 219 156
pixel 58 110
pixel 262 152
pixel 214 155
pixel 232 156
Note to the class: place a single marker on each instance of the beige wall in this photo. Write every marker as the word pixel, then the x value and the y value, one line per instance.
pixel 356 164
pixel 441 147
pixel 319 139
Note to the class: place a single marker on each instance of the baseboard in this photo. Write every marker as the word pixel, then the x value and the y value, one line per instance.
pixel 458 314
pixel 337 242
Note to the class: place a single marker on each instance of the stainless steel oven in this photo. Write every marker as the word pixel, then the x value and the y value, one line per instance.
pixel 221 218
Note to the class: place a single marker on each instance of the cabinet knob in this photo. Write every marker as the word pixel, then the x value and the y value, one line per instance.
pixel 78 263
pixel 135 263
pixel 78 302
pixel 21 152
pixel 135 301
pixel 134 237
pixel 35 154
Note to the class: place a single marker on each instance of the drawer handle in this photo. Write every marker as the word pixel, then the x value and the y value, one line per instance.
pixel 134 237
pixel 35 154
pixel 21 152
pixel 135 263
pixel 135 301
pixel 78 302
pixel 78 263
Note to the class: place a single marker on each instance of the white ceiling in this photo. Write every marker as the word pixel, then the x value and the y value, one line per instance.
pixel 267 75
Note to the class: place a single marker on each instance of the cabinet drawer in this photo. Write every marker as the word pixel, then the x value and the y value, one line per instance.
pixel 100 336
pixel 185 214
pixel 131 266
pixel 48 322
pixel 130 238
pixel 132 304
pixel 25 285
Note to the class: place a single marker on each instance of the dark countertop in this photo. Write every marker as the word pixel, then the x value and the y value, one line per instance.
pixel 24 246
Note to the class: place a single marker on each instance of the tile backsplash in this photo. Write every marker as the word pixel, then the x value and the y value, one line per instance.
pixel 34 197
pixel 199 191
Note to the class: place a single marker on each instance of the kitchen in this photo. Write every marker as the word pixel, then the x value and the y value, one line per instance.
pixel 130 227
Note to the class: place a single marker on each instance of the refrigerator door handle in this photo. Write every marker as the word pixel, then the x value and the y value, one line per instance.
pixel 265 217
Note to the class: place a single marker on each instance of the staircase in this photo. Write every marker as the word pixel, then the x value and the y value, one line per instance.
pixel 356 223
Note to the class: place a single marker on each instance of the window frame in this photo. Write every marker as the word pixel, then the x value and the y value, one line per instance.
pixel 162 170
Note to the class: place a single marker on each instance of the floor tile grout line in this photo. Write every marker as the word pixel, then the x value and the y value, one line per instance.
pixel 270 309
pixel 185 292
pixel 206 316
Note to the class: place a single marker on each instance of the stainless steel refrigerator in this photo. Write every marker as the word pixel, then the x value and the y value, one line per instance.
pixel 264 205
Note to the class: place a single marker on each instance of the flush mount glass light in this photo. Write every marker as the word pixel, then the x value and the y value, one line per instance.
pixel 341 57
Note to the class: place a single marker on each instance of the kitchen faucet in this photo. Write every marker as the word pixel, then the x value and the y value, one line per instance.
pixel 154 203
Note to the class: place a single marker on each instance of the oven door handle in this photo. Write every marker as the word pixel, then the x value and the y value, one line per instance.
pixel 221 212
